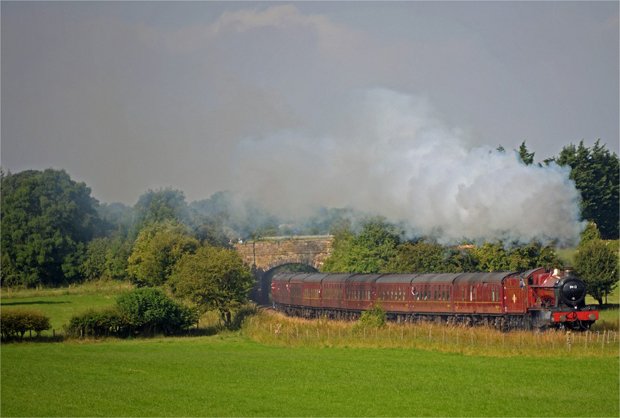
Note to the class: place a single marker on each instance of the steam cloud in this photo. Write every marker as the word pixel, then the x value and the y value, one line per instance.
pixel 390 156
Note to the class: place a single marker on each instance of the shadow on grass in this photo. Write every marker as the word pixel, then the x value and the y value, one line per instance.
pixel 40 339
pixel 34 302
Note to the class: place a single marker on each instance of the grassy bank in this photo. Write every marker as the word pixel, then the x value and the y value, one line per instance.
pixel 233 376
pixel 276 329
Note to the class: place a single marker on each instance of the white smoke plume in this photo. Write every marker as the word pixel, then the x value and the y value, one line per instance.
pixel 390 156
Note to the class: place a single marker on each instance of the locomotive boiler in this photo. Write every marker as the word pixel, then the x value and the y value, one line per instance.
pixel 508 300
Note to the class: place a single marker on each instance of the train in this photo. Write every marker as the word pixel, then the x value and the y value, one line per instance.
pixel 534 299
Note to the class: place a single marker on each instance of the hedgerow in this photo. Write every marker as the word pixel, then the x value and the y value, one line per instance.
pixel 141 312
pixel 106 323
pixel 16 323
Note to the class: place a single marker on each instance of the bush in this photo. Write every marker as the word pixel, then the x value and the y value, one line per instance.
pixel 145 311
pixel 374 318
pixel 149 311
pixel 105 323
pixel 241 314
pixel 15 323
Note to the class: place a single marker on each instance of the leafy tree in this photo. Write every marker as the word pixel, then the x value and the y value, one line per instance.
pixel 117 217
pixel 596 174
pixel 370 251
pixel 159 206
pixel 419 257
pixel 213 278
pixel 47 219
pixel 496 257
pixel 596 263
pixel 106 258
pixel 526 156
pixel 93 266
pixel 156 250
pixel 590 233
pixel 461 259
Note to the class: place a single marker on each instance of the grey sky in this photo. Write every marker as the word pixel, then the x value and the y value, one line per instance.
pixel 138 95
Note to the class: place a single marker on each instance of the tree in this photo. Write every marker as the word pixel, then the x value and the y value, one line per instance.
pixel 596 173
pixel 367 252
pixel 213 278
pixel 590 233
pixel 526 156
pixel 47 219
pixel 497 257
pixel 596 263
pixel 106 258
pixel 156 250
pixel 419 257
pixel 159 206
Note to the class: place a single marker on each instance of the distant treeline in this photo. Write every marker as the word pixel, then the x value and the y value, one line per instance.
pixel 54 232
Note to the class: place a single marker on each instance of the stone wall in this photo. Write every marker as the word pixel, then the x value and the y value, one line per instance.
pixel 267 253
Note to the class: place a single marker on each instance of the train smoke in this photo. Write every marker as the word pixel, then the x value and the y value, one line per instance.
pixel 389 155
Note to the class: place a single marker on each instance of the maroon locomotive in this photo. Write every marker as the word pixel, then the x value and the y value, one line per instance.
pixel 533 299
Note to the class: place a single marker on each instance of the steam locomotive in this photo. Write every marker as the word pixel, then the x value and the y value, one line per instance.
pixel 534 299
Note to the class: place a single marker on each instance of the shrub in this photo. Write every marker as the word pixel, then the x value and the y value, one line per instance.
pixel 149 311
pixel 374 318
pixel 104 323
pixel 15 323
pixel 241 314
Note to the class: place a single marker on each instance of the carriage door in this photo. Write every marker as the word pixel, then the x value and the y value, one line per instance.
pixel 515 294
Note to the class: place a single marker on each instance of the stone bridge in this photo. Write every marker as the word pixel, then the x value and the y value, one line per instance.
pixel 265 254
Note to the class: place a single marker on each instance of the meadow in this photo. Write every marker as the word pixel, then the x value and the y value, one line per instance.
pixel 231 375
pixel 280 366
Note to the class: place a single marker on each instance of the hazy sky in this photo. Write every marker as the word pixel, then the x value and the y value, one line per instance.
pixel 128 96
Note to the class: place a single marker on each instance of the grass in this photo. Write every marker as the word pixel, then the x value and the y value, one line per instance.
pixel 61 304
pixel 233 376
pixel 278 330
pixel 280 366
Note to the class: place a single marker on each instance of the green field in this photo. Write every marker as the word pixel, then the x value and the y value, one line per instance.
pixel 278 366
pixel 61 304
pixel 232 376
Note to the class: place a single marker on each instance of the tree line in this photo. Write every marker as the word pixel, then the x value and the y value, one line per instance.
pixel 55 233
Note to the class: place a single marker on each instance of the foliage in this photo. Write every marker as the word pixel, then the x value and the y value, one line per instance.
pixel 496 257
pixel 213 278
pixel 106 258
pixel 460 259
pixel 156 250
pixel 148 311
pixel 590 233
pixel 596 172
pixel 369 251
pixel 596 263
pixel 102 323
pixel 526 156
pixel 144 312
pixel 373 318
pixel 47 219
pixel 15 323
pixel 159 206
pixel 226 214
pixel 418 257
